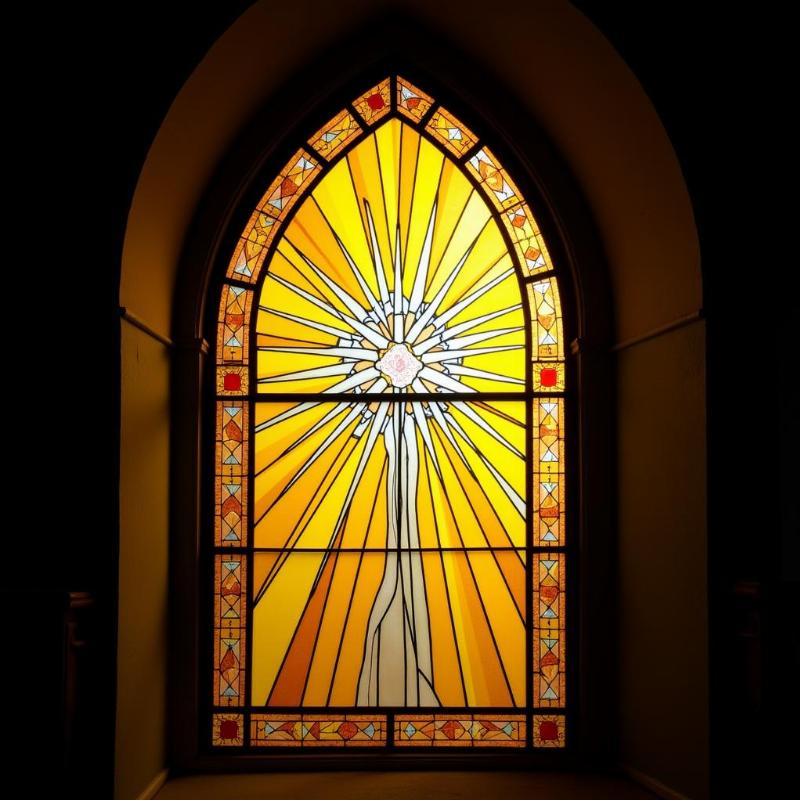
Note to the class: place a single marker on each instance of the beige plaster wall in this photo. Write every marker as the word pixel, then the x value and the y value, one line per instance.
pixel 663 625
pixel 144 489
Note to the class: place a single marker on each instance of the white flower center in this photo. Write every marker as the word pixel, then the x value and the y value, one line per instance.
pixel 399 365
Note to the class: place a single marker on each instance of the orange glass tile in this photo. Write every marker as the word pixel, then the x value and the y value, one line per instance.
pixel 318 730
pixel 460 730
pixel 548 472
pixel 452 133
pixel 344 730
pixel 290 184
pixel 527 238
pixel 548 333
pixel 227 730
pixel 229 629
pixel 232 381
pixel 248 256
pixel 548 376
pixel 231 484
pixel 548 730
pixel 549 639
pixel 276 730
pixel 282 194
pixel 493 178
pixel 411 101
pixel 375 103
pixel 333 136
pixel 233 327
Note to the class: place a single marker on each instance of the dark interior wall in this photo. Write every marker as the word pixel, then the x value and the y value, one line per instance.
pixel 663 623
pixel 90 91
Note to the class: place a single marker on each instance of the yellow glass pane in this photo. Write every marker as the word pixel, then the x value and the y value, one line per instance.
pixel 329 629
pixel 375 103
pixel 548 472
pixel 549 639
pixel 451 132
pixel 411 101
pixel 325 474
pixel 499 188
pixel 392 275
pixel 527 238
pixel 331 138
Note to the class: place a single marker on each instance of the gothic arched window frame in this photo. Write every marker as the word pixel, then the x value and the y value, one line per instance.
pixel 567 251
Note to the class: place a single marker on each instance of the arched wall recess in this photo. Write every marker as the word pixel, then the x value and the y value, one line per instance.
pixel 476 94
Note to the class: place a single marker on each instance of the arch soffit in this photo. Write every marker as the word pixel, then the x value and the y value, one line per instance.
pixel 562 72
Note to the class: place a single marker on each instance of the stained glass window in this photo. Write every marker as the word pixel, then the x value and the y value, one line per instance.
pixel 389 552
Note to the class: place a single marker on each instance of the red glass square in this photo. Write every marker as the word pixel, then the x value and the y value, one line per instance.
pixel 375 102
pixel 229 729
pixel 548 377
pixel 548 731
pixel 232 382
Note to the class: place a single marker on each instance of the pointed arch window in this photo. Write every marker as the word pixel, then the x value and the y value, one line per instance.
pixel 390 537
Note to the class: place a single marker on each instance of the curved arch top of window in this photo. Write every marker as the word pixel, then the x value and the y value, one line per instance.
pixel 389 500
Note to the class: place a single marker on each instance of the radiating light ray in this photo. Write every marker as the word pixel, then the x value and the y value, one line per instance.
pixel 327 442
pixel 466 341
pixel 377 262
pixel 452 355
pixel 364 286
pixel 368 333
pixel 512 495
pixel 352 353
pixel 446 382
pixel 444 318
pixel 444 425
pixel 398 290
pixel 433 307
pixel 284 415
pixel 334 412
pixel 422 424
pixel 356 380
pixel 467 411
pixel 355 308
pixel 421 278
pixel 375 427
pixel 460 369
pixel 309 374
pixel 319 326
pixel 446 334
pixel 321 304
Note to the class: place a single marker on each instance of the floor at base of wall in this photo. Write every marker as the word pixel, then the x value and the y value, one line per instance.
pixel 404 786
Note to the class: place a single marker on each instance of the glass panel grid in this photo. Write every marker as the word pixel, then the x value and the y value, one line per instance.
pixel 395 280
